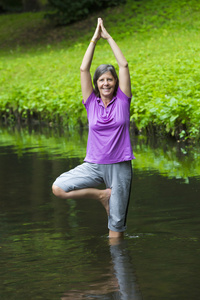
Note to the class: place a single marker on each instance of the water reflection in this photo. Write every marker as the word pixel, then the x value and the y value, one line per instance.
pixel 119 282
pixel 124 272
pixel 168 157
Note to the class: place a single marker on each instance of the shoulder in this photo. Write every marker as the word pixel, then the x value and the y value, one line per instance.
pixel 120 95
pixel 89 100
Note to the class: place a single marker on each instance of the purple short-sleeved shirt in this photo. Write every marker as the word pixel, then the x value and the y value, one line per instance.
pixel 108 137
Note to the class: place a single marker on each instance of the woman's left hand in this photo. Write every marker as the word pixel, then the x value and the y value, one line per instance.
pixel 104 33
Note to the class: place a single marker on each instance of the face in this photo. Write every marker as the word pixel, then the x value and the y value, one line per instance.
pixel 106 85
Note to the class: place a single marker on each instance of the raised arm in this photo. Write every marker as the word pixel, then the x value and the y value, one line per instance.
pixel 124 76
pixel 86 81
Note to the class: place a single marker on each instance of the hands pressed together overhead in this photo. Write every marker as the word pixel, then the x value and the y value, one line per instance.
pixel 124 76
pixel 100 31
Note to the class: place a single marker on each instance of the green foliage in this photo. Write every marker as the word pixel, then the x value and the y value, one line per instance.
pixel 166 90
pixel 11 5
pixel 42 95
pixel 161 43
pixel 66 11
pixel 22 5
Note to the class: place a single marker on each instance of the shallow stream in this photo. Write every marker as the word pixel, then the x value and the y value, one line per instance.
pixel 56 249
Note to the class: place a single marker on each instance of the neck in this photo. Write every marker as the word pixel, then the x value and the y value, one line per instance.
pixel 106 100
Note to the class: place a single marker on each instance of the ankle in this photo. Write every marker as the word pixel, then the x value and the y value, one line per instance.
pixel 115 234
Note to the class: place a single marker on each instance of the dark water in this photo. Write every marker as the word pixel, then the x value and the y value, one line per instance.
pixel 56 249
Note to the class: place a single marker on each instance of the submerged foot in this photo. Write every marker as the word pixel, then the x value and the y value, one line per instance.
pixel 104 199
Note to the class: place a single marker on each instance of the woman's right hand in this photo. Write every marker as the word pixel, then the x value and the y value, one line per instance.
pixel 97 33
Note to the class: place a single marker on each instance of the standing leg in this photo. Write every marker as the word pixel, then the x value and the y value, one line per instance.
pixel 118 177
pixel 115 234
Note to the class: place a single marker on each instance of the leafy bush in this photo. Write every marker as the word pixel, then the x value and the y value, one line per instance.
pixel 166 90
pixel 67 11
pixel 21 5
pixel 11 5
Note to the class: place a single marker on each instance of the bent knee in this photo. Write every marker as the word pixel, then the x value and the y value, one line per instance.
pixel 58 192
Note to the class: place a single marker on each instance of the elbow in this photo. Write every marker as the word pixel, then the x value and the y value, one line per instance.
pixel 83 69
pixel 124 65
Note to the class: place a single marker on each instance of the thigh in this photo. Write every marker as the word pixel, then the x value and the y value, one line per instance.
pixel 83 176
pixel 119 178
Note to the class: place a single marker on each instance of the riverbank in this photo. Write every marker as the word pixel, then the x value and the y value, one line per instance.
pixel 39 66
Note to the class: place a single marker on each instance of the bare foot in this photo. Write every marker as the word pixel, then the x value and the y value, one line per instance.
pixel 104 199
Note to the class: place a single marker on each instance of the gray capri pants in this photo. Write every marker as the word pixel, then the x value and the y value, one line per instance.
pixel 116 176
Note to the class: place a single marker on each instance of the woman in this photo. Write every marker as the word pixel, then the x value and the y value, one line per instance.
pixel 109 151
